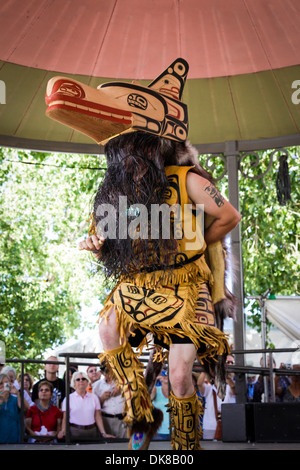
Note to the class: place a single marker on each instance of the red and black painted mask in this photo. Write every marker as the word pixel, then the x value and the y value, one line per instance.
pixel 115 107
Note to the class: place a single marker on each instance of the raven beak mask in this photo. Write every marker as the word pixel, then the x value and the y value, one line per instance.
pixel 116 108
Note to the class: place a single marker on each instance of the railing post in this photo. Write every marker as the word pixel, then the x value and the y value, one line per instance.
pixel 272 384
pixel 264 344
pixel 232 160
pixel 68 437
pixel 22 431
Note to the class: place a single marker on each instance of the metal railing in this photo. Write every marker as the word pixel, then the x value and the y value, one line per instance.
pixel 266 372
pixel 243 370
pixel 68 364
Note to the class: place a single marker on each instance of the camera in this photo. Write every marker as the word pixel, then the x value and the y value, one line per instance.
pixel 6 387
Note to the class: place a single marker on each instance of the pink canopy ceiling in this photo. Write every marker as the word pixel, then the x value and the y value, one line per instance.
pixel 137 38
pixel 244 57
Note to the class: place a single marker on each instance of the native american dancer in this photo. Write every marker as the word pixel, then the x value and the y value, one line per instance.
pixel 158 223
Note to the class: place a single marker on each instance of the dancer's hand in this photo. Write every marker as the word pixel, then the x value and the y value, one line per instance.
pixel 92 243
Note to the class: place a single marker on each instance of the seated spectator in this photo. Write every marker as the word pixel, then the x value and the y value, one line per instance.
pixel 160 399
pixel 230 396
pixel 28 383
pixel 112 404
pixel 212 408
pixel 12 374
pixel 71 372
pixel 58 384
pixel 94 374
pixel 259 387
pixel 251 380
pixel 201 399
pixel 282 382
pixel 292 392
pixel 10 411
pixel 43 419
pixel 85 415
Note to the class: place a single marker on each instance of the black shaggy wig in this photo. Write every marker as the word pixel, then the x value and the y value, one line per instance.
pixel 135 169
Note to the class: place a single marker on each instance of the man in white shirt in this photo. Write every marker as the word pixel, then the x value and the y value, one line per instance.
pixel 112 405
pixel 209 418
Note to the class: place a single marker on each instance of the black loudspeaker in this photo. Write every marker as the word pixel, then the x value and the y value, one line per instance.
pixel 276 422
pixel 261 422
pixel 237 422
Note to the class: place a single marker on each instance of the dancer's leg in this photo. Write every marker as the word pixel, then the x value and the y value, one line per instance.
pixel 108 330
pixel 181 362
pixel 184 405
pixel 128 371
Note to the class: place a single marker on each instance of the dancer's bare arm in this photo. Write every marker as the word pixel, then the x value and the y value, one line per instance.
pixel 225 216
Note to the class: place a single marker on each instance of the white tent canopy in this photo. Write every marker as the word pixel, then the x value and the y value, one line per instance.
pixel 284 312
pixel 88 342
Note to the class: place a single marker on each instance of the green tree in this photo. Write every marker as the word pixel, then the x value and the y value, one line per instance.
pixel 44 278
pixel 46 201
pixel 270 234
pixel 269 230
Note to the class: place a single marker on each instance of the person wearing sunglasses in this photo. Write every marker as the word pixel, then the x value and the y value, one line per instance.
pixel 86 422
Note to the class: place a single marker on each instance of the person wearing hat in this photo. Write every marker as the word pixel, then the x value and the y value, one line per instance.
pixel 94 374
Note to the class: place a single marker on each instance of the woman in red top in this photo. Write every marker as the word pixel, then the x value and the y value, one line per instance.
pixel 43 419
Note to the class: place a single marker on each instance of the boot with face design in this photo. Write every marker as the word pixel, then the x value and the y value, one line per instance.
pixel 142 418
pixel 185 422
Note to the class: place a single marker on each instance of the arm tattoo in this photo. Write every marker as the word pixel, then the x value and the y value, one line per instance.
pixel 215 195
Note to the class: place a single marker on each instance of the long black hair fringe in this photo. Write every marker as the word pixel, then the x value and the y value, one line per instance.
pixel 135 170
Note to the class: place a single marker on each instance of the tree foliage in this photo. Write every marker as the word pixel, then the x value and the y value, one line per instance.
pixel 45 206
pixel 44 278
pixel 270 234
pixel 269 230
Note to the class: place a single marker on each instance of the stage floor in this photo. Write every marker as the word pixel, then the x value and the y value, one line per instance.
pixel 159 446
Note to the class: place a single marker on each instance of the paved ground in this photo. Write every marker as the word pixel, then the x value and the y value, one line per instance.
pixel 160 447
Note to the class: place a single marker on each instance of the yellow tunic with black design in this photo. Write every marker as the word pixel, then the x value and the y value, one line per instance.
pixel 174 305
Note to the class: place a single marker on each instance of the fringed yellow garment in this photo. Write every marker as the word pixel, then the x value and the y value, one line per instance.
pixel 188 229
pixel 173 302
pixel 185 416
pixel 216 258
pixel 128 371
pixel 92 227
pixel 183 309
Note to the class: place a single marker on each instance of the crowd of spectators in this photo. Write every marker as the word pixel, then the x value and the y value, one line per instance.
pixel 96 406
pixel 286 388
pixel 45 406
pixel 207 395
